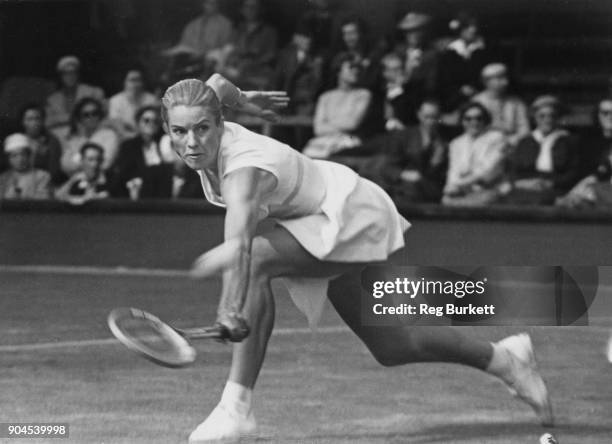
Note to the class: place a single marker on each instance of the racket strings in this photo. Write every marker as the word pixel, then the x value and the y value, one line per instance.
pixel 148 334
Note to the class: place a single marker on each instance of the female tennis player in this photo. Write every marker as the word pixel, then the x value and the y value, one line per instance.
pixel 329 222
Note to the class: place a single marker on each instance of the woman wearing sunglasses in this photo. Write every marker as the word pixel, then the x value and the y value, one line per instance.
pixel 86 125
pixel 545 163
pixel 144 166
pixel 475 160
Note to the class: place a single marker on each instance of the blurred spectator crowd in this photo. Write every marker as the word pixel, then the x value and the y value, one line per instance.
pixel 431 118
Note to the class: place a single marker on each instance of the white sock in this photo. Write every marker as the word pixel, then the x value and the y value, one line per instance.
pixel 237 397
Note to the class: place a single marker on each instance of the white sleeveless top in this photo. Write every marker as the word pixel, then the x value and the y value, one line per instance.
pixel 300 188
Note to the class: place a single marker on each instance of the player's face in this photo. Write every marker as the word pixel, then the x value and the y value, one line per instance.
pixel 195 135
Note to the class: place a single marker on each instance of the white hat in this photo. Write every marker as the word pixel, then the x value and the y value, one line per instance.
pixel 494 70
pixel 16 142
pixel 68 62
pixel 413 21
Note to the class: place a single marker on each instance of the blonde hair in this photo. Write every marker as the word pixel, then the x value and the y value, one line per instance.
pixel 191 92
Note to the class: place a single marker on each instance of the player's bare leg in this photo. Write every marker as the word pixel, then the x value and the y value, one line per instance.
pixel 274 254
pixel 511 359
pixel 277 253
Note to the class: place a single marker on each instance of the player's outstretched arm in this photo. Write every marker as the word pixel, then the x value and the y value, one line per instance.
pixel 243 191
pixel 262 104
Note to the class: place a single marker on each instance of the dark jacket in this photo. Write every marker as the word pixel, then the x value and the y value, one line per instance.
pixel 47 157
pixel 301 79
pixel 130 163
pixel 595 151
pixel 566 162
pixel 406 151
pixel 455 71
pixel 406 104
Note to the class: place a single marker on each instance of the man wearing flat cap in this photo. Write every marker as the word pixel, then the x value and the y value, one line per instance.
pixel 419 58
pixel 22 181
pixel 60 103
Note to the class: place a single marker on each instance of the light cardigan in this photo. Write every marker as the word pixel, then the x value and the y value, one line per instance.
pixel 206 33
pixel 473 161
pixel 509 114
pixel 340 111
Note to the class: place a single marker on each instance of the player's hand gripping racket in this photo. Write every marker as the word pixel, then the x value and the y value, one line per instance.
pixel 157 341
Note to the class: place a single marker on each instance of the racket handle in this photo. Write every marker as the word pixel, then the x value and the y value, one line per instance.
pixel 214 332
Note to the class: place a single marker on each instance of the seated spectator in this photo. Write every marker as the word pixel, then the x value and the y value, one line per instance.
pixel 545 163
pixel 203 38
pixel 509 113
pixel 475 160
pixel 86 126
pixel 318 21
pixel 401 99
pixel 22 181
pixel 144 166
pixel 598 145
pixel 90 182
pixel 461 63
pixel 61 103
pixel 253 50
pixel 46 148
pixel 339 113
pixel 595 190
pixel 123 106
pixel 420 58
pixel 415 168
pixel 356 47
pixel 298 72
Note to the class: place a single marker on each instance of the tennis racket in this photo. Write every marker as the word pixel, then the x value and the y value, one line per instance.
pixel 155 340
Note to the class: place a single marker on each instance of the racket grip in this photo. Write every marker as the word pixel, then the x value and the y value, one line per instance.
pixel 226 334
pixel 214 332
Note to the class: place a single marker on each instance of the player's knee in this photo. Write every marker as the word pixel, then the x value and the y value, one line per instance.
pixel 395 348
pixel 261 260
pixel 387 358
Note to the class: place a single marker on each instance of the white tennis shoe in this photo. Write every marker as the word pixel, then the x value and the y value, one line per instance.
pixel 224 425
pixel 523 378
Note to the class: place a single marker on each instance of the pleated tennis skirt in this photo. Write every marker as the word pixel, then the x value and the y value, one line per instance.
pixel 358 223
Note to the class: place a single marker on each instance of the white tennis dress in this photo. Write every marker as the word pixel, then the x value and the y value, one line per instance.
pixel 332 212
